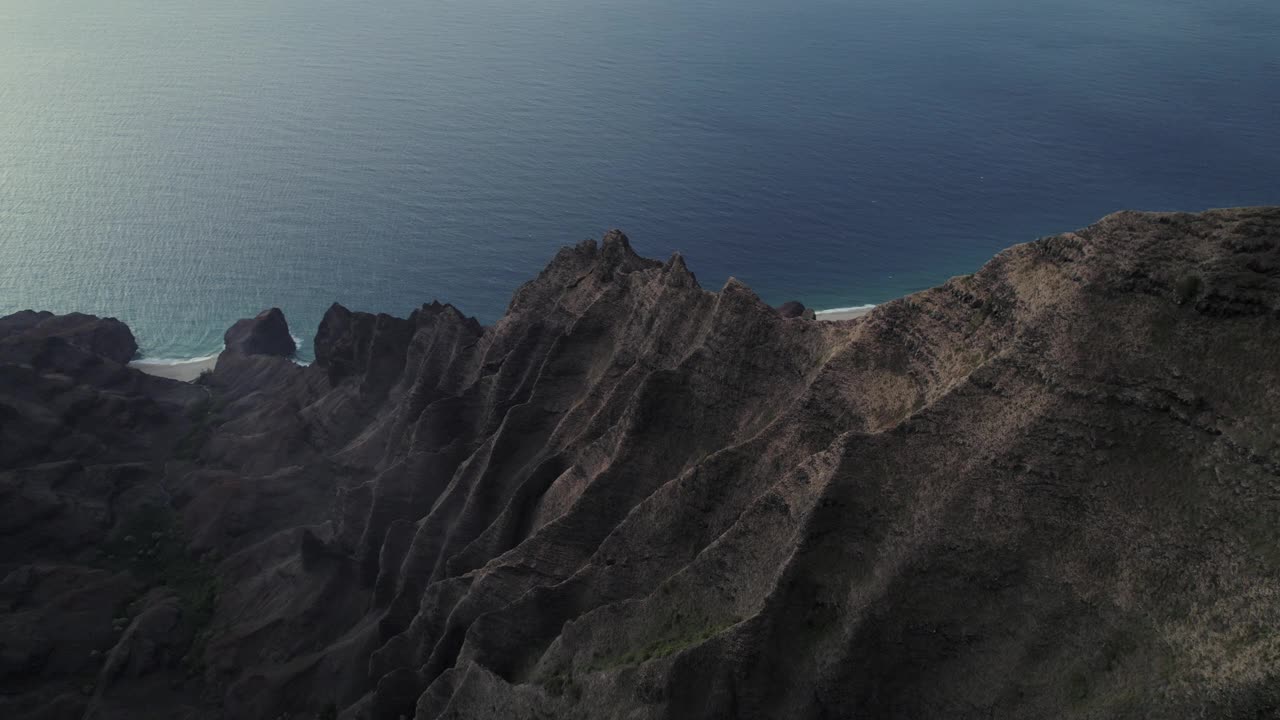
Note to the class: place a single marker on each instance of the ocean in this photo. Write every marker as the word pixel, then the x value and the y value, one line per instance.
pixel 183 164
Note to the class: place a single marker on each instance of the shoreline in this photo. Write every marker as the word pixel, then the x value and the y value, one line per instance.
pixel 844 313
pixel 191 369
pixel 183 370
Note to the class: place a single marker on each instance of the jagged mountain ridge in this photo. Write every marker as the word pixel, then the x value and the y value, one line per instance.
pixel 1049 488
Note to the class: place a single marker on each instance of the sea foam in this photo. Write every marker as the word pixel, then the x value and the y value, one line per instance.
pixel 853 308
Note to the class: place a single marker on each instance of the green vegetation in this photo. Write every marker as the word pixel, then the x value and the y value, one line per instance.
pixel 1187 289
pixel 980 316
pixel 151 546
pixel 678 640
pixel 562 682
pixel 1078 686
pixel 204 418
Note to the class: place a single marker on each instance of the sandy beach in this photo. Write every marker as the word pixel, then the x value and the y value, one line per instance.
pixel 843 313
pixel 185 371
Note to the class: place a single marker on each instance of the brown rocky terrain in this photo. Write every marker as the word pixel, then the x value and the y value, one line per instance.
pixel 1047 489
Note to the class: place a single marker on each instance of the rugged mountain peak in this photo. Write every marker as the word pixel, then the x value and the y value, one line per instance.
pixel 616 256
pixel 678 273
pixel 374 348
pixel 332 335
pixel 1047 489
pixel 576 275
pixel 265 334
pixel 616 241
pixel 436 309
pixel 616 252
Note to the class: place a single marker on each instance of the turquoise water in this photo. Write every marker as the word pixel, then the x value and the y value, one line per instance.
pixel 181 164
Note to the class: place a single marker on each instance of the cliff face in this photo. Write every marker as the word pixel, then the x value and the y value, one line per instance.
pixel 1051 488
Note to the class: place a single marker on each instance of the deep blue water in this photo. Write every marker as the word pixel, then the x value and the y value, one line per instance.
pixel 181 164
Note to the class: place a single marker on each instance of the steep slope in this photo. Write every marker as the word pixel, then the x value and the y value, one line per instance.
pixel 1046 489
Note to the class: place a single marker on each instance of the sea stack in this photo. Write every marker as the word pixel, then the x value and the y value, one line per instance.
pixel 265 334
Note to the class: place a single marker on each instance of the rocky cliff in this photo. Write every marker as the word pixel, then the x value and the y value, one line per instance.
pixel 1047 489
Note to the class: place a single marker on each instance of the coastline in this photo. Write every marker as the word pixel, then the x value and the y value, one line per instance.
pixel 845 313
pixel 184 370
pixel 189 370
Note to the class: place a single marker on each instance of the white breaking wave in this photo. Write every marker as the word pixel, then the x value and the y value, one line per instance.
pixel 175 361
pixel 204 358
pixel 844 309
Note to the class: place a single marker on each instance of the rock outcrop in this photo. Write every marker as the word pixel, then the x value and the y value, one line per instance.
pixel 266 334
pixel 796 309
pixel 1048 489
pixel 791 309
pixel 105 337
